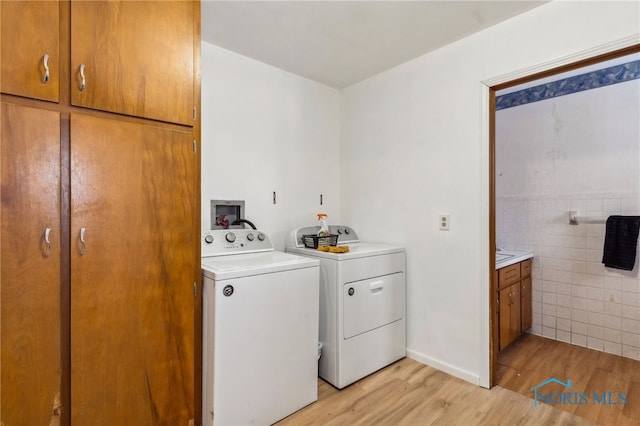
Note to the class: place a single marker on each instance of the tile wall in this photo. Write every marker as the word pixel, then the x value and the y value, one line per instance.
pixel 575 298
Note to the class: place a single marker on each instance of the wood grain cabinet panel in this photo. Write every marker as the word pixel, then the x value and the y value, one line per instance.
pixel 508 275
pixel 134 66
pixel 525 268
pixel 509 314
pixel 103 328
pixel 30 268
pixel 132 285
pixel 514 302
pixel 23 58
pixel 525 296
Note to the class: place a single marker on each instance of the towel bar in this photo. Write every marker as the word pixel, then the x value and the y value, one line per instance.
pixel 574 219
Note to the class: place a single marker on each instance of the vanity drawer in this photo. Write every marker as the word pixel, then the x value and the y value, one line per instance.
pixel 508 275
pixel 525 268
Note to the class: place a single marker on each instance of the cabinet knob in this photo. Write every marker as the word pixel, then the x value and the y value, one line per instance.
pixel 83 247
pixel 84 81
pixel 45 62
pixel 47 242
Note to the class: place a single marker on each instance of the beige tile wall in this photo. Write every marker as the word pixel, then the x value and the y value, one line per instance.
pixel 576 299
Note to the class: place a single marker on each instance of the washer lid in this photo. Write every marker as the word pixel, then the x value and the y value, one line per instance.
pixel 356 251
pixel 246 265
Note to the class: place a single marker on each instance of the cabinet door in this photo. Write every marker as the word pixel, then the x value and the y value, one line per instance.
pixel 505 317
pixel 30 32
pixel 30 268
pixel 137 58
pixel 509 314
pixel 133 202
pixel 515 312
pixel 526 305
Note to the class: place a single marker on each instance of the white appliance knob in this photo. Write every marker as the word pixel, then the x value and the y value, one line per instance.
pixel 339 231
pixel 250 237
pixel 230 237
pixel 347 231
pixel 261 237
pixel 208 238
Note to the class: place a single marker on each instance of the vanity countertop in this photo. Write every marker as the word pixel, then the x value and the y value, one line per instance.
pixel 509 257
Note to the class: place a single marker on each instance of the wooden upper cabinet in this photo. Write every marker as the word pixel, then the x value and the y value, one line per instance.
pixel 137 58
pixel 30 33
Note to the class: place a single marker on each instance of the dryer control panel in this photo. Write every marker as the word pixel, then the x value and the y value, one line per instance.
pixel 221 242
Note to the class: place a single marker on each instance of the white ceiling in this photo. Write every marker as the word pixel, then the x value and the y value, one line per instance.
pixel 339 43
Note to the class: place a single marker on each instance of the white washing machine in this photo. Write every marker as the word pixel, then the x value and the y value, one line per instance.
pixel 260 329
pixel 362 305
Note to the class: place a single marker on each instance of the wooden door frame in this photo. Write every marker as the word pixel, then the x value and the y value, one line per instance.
pixel 602 53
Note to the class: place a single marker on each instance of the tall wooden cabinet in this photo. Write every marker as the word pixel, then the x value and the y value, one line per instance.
pixel 30 266
pixel 132 265
pixel 100 204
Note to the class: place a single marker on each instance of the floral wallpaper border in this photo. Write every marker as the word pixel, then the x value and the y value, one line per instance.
pixel 592 80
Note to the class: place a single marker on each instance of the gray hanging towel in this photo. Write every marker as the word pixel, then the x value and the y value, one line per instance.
pixel 620 242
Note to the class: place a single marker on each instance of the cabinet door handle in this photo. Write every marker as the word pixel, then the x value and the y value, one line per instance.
pixel 47 242
pixel 45 62
pixel 84 81
pixel 83 247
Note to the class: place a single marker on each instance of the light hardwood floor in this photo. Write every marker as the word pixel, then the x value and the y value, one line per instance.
pixel 532 359
pixel 410 393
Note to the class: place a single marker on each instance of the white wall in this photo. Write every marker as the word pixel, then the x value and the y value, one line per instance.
pixel 582 143
pixel 266 130
pixel 575 152
pixel 413 147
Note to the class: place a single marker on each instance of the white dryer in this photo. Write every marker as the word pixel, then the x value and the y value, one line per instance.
pixel 260 329
pixel 362 305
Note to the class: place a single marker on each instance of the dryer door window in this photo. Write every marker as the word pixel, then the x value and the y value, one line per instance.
pixel 372 303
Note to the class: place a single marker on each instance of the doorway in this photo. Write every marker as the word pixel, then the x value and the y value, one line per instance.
pixel 521 84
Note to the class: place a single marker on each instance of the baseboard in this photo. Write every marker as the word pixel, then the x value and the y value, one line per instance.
pixel 443 366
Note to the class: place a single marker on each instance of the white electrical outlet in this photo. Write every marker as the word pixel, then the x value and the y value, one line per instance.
pixel 444 222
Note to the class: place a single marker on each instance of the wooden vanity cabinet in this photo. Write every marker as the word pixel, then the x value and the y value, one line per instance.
pixel 514 302
pixel 26 58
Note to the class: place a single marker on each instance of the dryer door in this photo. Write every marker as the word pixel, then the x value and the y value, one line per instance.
pixel 372 303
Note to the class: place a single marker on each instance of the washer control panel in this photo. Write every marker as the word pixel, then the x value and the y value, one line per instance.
pixel 220 242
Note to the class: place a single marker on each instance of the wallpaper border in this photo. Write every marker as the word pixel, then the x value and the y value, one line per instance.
pixel 591 80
